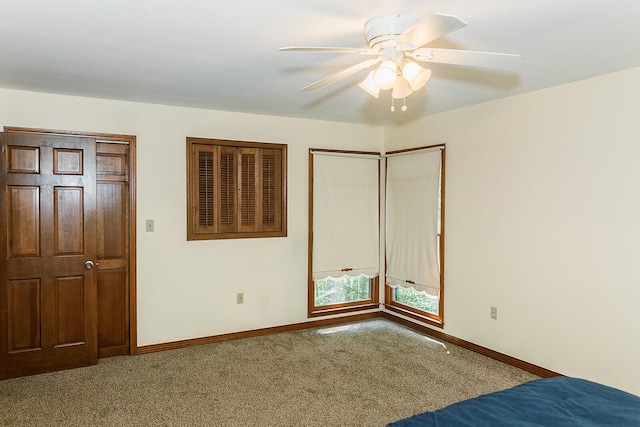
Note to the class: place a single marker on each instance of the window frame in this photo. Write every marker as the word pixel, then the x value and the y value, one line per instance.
pixel 406 310
pixel 374 283
pixel 238 151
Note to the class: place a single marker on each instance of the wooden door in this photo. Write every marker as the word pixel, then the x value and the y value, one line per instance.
pixel 48 240
pixel 112 173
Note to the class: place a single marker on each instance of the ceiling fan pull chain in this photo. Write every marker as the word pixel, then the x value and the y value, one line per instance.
pixel 393 107
pixel 404 104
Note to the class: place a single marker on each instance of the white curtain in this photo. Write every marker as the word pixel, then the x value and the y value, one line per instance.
pixel 413 182
pixel 345 216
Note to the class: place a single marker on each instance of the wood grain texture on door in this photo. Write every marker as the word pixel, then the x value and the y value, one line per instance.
pixel 113 248
pixel 48 229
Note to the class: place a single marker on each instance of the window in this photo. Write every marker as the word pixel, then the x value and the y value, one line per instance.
pixel 344 225
pixel 346 289
pixel 420 301
pixel 414 241
pixel 235 189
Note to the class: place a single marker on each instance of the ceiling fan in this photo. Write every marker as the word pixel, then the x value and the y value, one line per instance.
pixel 397 42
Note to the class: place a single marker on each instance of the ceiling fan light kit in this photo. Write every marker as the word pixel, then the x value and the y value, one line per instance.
pixel 386 75
pixel 401 88
pixel 369 86
pixel 416 75
pixel 397 41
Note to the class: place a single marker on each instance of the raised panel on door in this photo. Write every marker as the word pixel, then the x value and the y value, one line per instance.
pixel 48 219
pixel 23 159
pixel 24 315
pixel 69 302
pixel 112 295
pixel 67 161
pixel 23 221
pixel 68 221
pixel 112 221
pixel 111 161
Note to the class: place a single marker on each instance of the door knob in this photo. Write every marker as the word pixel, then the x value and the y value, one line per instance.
pixel 88 265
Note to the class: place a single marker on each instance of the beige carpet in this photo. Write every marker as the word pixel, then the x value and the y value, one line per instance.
pixel 361 374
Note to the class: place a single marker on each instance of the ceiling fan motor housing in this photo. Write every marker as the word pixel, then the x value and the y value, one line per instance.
pixel 386 28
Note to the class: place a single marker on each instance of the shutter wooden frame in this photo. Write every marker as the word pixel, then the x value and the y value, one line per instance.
pixel 204 209
pixel 257 206
pixel 271 170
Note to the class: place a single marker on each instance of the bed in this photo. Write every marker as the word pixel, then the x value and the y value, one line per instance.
pixel 558 401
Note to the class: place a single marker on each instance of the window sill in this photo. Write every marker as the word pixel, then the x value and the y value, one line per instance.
pixel 339 310
pixel 410 313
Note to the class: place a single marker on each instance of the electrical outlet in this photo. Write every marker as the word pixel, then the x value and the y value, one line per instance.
pixel 239 298
pixel 494 313
pixel 149 225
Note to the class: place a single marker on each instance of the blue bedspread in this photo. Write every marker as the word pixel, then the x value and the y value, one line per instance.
pixel 558 401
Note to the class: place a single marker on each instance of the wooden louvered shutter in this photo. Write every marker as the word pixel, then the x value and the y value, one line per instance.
pixel 204 158
pixel 271 187
pixel 236 189
pixel 228 190
pixel 248 189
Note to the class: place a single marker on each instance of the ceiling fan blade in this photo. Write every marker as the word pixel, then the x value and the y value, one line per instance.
pixel 340 75
pixel 360 51
pixel 502 61
pixel 429 29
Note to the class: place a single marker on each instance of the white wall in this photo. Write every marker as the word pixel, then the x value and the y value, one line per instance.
pixel 543 221
pixel 188 289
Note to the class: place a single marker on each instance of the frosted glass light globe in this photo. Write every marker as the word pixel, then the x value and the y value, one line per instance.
pixel 415 75
pixel 386 74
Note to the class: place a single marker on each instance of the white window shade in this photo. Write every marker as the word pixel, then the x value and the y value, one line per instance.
pixel 345 216
pixel 413 182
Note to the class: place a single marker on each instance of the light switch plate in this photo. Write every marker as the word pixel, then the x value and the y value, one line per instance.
pixel 149 225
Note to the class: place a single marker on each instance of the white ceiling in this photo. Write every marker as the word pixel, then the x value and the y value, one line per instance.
pixel 224 55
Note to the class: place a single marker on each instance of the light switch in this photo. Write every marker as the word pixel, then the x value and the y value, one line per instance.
pixel 149 225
